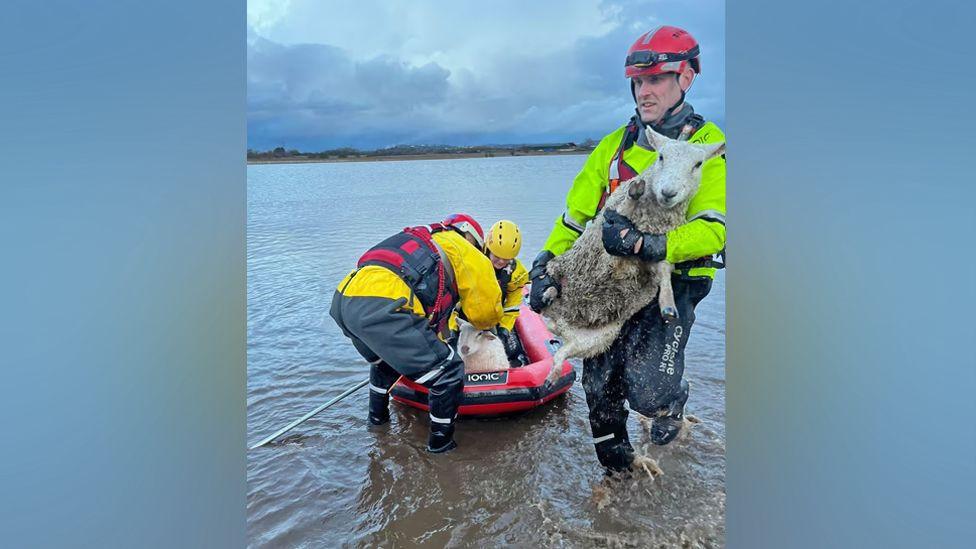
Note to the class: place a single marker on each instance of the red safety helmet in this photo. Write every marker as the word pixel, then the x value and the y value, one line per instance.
pixel 467 225
pixel 664 49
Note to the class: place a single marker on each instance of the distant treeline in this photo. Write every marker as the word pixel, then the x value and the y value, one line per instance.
pixel 400 150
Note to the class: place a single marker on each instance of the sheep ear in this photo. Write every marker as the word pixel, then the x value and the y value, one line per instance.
pixel 655 139
pixel 489 336
pixel 713 149
pixel 461 322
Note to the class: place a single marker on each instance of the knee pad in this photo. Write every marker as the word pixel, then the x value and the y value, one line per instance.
pixel 668 424
pixel 658 405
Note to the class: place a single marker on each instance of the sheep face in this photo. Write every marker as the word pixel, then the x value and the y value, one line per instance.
pixel 480 350
pixel 675 176
pixel 473 340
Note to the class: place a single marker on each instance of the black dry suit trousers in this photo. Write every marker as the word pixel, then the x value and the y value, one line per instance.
pixel 395 342
pixel 643 366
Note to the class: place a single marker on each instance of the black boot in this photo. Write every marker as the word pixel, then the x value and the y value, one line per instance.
pixel 445 398
pixel 381 379
pixel 615 453
pixel 379 407
pixel 441 438
pixel 665 429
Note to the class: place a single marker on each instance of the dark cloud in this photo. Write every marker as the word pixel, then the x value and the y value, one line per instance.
pixel 394 85
pixel 315 95
pixel 318 96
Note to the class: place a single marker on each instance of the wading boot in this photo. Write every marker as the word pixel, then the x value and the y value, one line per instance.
pixel 665 429
pixel 614 451
pixel 441 438
pixel 379 406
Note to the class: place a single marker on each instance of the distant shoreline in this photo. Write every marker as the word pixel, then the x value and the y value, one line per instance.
pixel 433 156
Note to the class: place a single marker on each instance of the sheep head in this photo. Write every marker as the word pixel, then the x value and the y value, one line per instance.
pixel 480 350
pixel 675 176
pixel 471 339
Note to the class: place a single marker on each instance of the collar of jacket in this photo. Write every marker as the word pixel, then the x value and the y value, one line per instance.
pixel 671 125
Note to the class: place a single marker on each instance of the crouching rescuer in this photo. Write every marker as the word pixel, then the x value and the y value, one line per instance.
pixel 645 364
pixel 395 307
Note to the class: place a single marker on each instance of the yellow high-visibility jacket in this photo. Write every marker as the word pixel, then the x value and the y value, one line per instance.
pixel 701 236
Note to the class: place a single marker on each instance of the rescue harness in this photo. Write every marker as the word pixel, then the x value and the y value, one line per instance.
pixel 414 256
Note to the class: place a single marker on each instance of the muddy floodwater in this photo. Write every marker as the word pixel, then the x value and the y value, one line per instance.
pixel 528 479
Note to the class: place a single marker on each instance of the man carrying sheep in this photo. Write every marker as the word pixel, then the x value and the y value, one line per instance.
pixel 645 364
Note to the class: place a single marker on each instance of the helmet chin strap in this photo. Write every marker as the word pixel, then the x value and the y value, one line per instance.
pixel 674 108
pixel 677 106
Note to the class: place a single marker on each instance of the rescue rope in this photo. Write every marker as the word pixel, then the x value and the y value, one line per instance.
pixel 309 415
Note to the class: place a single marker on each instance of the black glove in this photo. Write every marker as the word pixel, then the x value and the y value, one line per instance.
pixel 541 281
pixel 654 248
pixel 510 342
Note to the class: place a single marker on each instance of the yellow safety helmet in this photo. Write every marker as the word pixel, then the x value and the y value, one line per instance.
pixel 504 239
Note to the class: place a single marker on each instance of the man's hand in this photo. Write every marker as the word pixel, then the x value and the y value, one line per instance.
pixel 541 281
pixel 621 238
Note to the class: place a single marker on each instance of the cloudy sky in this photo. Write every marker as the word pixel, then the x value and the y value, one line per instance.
pixel 372 73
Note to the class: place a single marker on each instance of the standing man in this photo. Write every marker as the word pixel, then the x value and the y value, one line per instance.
pixel 395 306
pixel 645 365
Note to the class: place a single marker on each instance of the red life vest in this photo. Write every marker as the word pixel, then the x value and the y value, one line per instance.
pixel 414 256
pixel 619 169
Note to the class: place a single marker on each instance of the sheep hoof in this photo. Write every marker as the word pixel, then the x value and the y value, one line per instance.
pixel 552 378
pixel 636 189
pixel 670 314
pixel 549 295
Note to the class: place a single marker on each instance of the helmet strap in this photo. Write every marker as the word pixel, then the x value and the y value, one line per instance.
pixel 677 106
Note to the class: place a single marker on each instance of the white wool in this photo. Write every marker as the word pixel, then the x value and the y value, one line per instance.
pixel 480 350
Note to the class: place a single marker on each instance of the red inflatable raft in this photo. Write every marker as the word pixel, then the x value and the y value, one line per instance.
pixel 515 390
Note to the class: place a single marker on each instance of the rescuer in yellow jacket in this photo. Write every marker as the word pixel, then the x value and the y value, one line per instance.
pixel 503 242
pixel 502 245
pixel 645 365
pixel 395 306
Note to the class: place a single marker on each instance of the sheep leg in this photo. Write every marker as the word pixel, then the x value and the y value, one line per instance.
pixel 585 342
pixel 564 352
pixel 665 293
